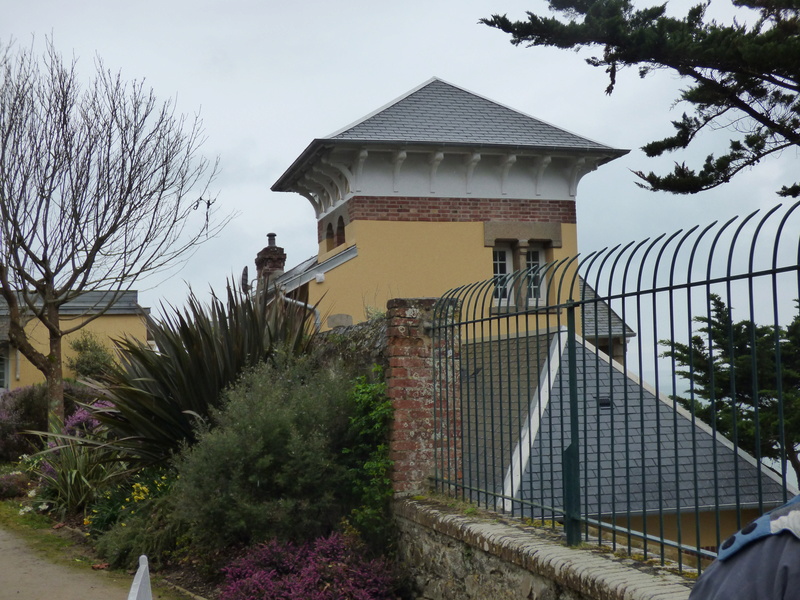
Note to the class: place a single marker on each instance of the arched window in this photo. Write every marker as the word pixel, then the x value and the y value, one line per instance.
pixel 330 242
pixel 340 232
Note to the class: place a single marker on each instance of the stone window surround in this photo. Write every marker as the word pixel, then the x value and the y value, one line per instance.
pixel 518 238
pixel 546 234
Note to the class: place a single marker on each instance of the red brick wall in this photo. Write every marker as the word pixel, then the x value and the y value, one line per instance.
pixel 409 381
pixel 460 209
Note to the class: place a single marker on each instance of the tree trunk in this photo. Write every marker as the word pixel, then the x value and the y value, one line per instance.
pixel 55 383
pixel 55 373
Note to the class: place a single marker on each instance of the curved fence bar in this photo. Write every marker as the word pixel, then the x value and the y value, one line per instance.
pixel 637 395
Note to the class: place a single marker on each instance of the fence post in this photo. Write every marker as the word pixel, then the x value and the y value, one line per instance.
pixel 571 456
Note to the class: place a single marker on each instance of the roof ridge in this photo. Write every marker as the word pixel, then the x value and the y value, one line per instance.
pixel 386 106
pixel 438 111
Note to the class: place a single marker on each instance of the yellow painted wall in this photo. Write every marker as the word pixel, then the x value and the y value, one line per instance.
pixel 728 525
pixel 408 259
pixel 106 328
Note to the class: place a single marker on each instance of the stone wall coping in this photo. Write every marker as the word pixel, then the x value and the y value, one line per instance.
pixel 593 574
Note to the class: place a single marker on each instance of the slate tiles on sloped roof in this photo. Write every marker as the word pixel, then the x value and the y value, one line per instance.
pixel 443 114
pixel 439 112
pixel 599 319
pixel 498 378
pixel 642 453
pixel 124 302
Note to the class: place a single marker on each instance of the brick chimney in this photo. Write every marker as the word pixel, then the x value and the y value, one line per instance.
pixel 270 262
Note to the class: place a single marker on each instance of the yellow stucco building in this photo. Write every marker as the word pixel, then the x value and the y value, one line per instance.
pixel 125 318
pixel 439 188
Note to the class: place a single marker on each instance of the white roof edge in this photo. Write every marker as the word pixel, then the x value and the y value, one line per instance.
pixel 294 281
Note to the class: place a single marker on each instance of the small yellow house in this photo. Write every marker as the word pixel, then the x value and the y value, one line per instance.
pixel 125 318
pixel 438 188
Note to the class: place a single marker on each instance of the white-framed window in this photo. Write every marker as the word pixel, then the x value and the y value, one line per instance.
pixel 502 265
pixel 534 261
pixel 511 290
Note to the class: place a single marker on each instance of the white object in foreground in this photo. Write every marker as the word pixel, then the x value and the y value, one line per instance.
pixel 140 590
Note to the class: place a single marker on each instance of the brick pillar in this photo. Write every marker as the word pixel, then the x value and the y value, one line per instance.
pixel 409 379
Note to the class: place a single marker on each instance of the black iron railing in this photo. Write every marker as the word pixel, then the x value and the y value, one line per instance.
pixel 649 396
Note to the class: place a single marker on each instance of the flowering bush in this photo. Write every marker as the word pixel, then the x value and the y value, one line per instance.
pixel 124 500
pixel 83 421
pixel 328 568
pixel 25 409
pixel 72 473
pixel 135 518
pixel 13 484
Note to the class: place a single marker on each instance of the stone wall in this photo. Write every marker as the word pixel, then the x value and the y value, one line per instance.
pixel 451 556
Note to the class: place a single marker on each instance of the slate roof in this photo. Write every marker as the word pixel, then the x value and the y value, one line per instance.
pixel 126 303
pixel 599 319
pixel 519 455
pixel 438 112
pixel 443 114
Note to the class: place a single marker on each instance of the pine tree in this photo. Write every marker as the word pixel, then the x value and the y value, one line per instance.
pixel 741 77
pixel 745 380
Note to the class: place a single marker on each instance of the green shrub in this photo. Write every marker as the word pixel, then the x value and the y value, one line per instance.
pixel 73 473
pixel 272 466
pixel 14 484
pixel 143 524
pixel 92 359
pixel 368 458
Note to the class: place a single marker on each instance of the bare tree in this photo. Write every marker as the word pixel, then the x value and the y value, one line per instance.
pixel 100 185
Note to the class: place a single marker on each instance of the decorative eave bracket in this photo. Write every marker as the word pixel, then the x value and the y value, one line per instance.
pixel 434 161
pixel 398 158
pixel 580 167
pixel 539 167
pixel 471 162
pixel 505 166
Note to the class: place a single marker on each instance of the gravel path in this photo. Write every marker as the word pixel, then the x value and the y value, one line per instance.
pixel 25 575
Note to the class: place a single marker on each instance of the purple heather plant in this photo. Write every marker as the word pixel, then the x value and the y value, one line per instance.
pixel 77 424
pixel 330 568
pixel 83 420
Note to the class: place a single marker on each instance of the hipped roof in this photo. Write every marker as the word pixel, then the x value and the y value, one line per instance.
pixel 442 114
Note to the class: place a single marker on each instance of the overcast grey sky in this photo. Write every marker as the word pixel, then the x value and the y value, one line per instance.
pixel 268 77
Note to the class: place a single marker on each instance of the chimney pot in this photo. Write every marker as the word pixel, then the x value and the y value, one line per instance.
pixel 270 261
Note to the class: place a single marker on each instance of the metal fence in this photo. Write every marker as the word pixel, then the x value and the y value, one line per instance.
pixel 646 395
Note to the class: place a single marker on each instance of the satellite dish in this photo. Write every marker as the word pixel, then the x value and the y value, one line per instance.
pixel 245 280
